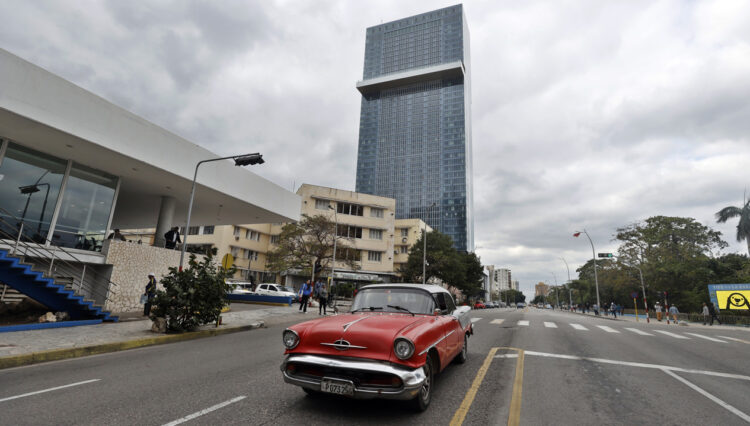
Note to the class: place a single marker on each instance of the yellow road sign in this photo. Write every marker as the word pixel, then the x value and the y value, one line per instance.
pixel 227 261
pixel 733 299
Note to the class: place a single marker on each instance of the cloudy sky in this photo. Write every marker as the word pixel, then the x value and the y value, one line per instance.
pixel 585 113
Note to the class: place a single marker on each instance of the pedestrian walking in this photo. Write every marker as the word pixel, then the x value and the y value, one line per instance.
pixel 316 289
pixel 322 300
pixel 150 293
pixel 714 313
pixel 613 309
pixel 705 313
pixel 596 309
pixel 658 309
pixel 172 238
pixel 305 296
pixel 673 311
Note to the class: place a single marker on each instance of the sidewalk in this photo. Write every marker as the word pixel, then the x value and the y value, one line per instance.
pixel 642 320
pixel 34 346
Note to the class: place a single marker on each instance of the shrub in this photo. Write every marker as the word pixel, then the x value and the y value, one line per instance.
pixel 194 296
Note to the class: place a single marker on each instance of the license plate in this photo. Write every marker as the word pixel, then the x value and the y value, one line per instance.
pixel 339 387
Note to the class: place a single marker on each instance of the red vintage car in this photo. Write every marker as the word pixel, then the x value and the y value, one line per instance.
pixel 390 345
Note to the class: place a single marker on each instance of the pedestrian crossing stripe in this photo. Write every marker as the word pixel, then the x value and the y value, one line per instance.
pixel 735 339
pixel 676 336
pixel 550 324
pixel 579 327
pixel 636 331
pixel 496 321
pixel 707 338
pixel 523 322
pixel 608 329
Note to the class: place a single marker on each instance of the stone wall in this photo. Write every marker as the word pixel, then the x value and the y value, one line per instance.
pixel 131 264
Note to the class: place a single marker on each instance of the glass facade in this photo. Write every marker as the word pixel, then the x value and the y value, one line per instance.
pixel 31 184
pixel 415 139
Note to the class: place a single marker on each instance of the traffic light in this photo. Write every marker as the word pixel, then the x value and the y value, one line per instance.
pixel 608 255
pixel 318 266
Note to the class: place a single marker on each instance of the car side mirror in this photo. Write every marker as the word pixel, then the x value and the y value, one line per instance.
pixel 437 312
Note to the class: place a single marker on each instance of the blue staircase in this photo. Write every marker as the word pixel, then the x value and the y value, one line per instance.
pixel 56 297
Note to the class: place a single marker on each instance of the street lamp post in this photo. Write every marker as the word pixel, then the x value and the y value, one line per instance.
pixel 570 296
pixel 557 295
pixel 239 160
pixel 593 254
pixel 424 249
pixel 335 238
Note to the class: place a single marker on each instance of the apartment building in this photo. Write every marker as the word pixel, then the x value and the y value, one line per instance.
pixel 541 289
pixel 408 231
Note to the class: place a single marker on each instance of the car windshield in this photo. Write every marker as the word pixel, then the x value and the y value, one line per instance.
pixel 416 301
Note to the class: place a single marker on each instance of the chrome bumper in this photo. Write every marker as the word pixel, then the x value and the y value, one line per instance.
pixel 412 379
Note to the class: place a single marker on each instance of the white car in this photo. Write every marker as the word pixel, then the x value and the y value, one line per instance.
pixel 271 289
pixel 242 287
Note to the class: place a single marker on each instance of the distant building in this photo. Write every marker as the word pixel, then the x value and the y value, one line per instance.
pixel 515 285
pixel 407 232
pixel 415 120
pixel 503 278
pixel 541 289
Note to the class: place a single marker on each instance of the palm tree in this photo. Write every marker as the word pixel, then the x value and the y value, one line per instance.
pixel 743 227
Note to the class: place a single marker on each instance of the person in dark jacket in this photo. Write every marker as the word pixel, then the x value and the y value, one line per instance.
pixel 150 293
pixel 714 313
pixel 172 238
pixel 116 235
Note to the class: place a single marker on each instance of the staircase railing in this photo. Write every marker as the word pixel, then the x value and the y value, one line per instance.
pixel 54 259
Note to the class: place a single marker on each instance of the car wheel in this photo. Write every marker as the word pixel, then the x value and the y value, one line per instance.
pixel 422 401
pixel 464 355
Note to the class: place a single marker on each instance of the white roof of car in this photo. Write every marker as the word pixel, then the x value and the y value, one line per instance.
pixel 427 287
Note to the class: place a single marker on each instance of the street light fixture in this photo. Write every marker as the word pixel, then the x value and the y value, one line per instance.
pixel 593 254
pixel 335 238
pixel 239 160
pixel 569 282
pixel 424 249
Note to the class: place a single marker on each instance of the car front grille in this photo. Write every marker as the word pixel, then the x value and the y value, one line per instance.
pixel 361 379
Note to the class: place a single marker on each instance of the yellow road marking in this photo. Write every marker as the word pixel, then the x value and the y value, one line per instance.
pixel 514 416
pixel 460 415
pixel 515 403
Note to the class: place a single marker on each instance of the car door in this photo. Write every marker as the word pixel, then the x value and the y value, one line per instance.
pixel 451 326
pixel 263 289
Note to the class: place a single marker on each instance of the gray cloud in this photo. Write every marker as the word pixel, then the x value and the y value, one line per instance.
pixel 586 114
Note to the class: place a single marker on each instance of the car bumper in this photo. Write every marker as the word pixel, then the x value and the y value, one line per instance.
pixel 411 379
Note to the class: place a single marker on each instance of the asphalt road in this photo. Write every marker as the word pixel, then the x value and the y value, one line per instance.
pixel 572 374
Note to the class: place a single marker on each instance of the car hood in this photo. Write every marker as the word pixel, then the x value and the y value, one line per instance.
pixel 373 333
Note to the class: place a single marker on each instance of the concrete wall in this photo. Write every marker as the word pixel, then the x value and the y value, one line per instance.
pixel 131 264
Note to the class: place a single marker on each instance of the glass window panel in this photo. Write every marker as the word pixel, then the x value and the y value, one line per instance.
pixel 29 186
pixel 84 212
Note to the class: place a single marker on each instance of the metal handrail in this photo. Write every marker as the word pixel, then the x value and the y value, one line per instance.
pixel 67 269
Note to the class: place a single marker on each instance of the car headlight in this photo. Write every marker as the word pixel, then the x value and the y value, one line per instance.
pixel 403 348
pixel 290 338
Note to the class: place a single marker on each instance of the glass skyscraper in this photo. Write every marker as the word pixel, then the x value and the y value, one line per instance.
pixel 415 122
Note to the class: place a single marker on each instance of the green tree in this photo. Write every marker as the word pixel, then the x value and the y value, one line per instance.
pixel 308 241
pixel 743 226
pixel 471 283
pixel 512 296
pixel 193 296
pixel 443 261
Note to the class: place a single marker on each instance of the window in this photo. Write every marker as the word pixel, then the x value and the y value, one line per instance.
pixel 252 235
pixel 235 251
pixel 349 254
pixel 236 231
pixel 208 230
pixel 251 255
pixel 374 256
pixel 349 231
pixel 376 212
pixel 351 209
pixel 376 234
pixel 194 230
pixel 275 239
pixel 404 232
pixel 322 204
pixel 404 249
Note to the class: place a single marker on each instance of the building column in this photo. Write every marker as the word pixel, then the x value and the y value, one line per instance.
pixel 166 217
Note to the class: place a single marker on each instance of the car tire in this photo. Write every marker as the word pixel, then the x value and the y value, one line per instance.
pixel 464 354
pixel 422 401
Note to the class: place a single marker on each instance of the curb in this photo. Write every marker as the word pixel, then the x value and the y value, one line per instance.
pixel 60 354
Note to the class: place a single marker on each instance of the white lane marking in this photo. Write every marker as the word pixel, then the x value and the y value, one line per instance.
pixel 507 356
pixel 636 331
pixel 670 334
pixel 496 321
pixel 608 329
pixel 550 324
pixel 707 338
pixel 731 409
pixel 638 364
pixel 523 322
pixel 735 339
pixel 205 411
pixel 473 320
pixel 579 327
pixel 49 390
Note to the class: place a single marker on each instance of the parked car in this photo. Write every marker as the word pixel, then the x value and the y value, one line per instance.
pixel 241 287
pixel 479 305
pixel 272 289
pixel 390 345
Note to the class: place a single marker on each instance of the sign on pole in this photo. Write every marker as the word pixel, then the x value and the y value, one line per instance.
pixel 227 261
